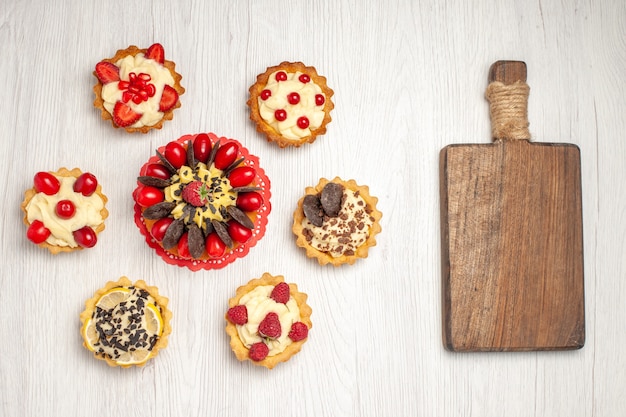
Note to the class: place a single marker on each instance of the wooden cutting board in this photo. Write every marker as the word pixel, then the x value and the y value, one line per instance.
pixel 511 226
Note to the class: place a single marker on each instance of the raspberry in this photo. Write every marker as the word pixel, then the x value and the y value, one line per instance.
pixel 238 314
pixel 280 293
pixel 298 331
pixel 196 193
pixel 258 351
pixel 270 326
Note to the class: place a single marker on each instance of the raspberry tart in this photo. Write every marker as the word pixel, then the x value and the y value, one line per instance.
pixel 64 210
pixel 202 201
pixel 126 323
pixel 268 321
pixel 137 89
pixel 290 104
pixel 336 221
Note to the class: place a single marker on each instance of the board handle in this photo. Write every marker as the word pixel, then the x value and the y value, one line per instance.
pixel 507 94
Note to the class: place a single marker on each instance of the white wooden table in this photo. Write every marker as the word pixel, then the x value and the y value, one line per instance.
pixel 409 78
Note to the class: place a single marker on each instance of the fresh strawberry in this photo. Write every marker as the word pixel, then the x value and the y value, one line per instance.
pixel 280 293
pixel 258 351
pixel 107 72
pixel 196 193
pixel 270 326
pixel 298 331
pixel 123 115
pixel 168 99
pixel 238 314
pixel 156 52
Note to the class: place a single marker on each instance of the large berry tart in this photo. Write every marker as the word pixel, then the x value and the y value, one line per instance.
pixel 137 89
pixel 126 323
pixel 268 321
pixel 64 210
pixel 202 201
pixel 336 221
pixel 290 103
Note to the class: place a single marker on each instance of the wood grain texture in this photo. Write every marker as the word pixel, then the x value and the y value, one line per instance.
pixel 408 79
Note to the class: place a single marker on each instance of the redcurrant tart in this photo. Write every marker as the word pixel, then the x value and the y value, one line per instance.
pixel 210 209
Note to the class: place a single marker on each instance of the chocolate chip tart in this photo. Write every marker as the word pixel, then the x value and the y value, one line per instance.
pixel 336 221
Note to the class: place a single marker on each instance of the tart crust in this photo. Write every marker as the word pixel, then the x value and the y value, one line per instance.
pixel 161 302
pixel 263 127
pixel 64 172
pixel 324 257
pixel 240 350
pixel 168 115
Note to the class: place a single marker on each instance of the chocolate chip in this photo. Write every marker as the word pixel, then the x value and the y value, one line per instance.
pixel 173 233
pixel 191 160
pixel 313 211
pixel 195 240
pixel 240 217
pixel 159 210
pixel 222 231
pixel 331 197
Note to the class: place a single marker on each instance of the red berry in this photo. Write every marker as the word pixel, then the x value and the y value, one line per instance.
pixel 258 351
pixel 238 314
pixel 214 246
pixel 176 154
pixel 319 99
pixel 304 78
pixel 280 293
pixel 86 184
pixel 238 232
pixel 107 72
pixel 265 94
pixel 226 155
pixel 281 76
pixel 85 237
pixel 123 115
pixel 65 209
pixel 303 122
pixel 157 171
pixel 293 98
pixel 270 326
pixel 183 246
pixel 156 52
pixel 37 232
pixel 298 331
pixel 250 201
pixel 241 176
pixel 202 147
pixel 169 98
pixel 160 227
pixel 46 183
pixel 147 196
pixel 196 193
pixel 280 115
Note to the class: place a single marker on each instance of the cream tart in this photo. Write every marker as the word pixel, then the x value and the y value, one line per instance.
pixel 290 104
pixel 65 210
pixel 126 323
pixel 336 221
pixel 137 89
pixel 202 201
pixel 268 321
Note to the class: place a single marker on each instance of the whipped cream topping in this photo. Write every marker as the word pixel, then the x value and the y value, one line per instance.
pixel 43 207
pixel 343 234
pixel 149 109
pixel 307 107
pixel 259 303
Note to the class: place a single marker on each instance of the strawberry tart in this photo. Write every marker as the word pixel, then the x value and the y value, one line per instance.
pixel 137 89
pixel 290 104
pixel 125 323
pixel 336 221
pixel 268 321
pixel 202 201
pixel 64 210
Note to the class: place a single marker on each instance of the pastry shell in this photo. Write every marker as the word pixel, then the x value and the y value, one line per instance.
pixel 161 302
pixel 263 127
pixel 238 347
pixel 64 172
pixel 324 257
pixel 168 115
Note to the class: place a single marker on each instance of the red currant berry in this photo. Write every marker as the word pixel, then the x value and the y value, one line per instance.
pixel 280 115
pixel 265 94
pixel 37 232
pixel 86 184
pixel 46 183
pixel 85 237
pixel 304 78
pixel 319 100
pixel 281 76
pixel 303 122
pixel 65 209
pixel 293 98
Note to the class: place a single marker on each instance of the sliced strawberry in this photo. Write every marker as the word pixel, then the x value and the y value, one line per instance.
pixel 156 52
pixel 168 99
pixel 107 72
pixel 123 115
